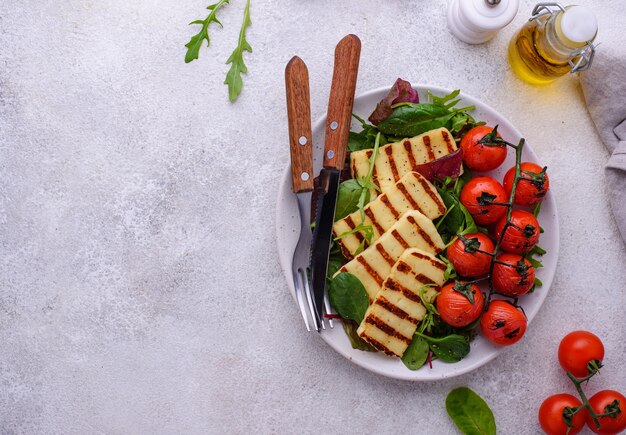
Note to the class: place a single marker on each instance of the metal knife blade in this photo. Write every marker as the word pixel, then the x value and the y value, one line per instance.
pixel 341 100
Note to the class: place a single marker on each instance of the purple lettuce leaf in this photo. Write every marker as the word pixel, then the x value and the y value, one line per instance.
pixel 400 92
pixel 446 166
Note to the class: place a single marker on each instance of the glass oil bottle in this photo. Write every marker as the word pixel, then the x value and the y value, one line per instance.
pixel 555 41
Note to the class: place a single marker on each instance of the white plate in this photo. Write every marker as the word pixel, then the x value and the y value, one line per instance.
pixel 288 228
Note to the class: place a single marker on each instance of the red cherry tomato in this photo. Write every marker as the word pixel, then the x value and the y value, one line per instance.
pixel 551 415
pixel 456 308
pixel 532 186
pixel 513 275
pixel 521 235
pixel 577 349
pixel 466 260
pixel 608 401
pixel 480 157
pixel 478 196
pixel 502 323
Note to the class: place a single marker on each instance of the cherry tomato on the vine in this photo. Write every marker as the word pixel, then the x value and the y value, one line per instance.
pixel 513 275
pixel 464 256
pixel 551 415
pixel 502 323
pixel 521 235
pixel 481 157
pixel 532 186
pixel 608 401
pixel 577 349
pixel 460 304
pixel 479 196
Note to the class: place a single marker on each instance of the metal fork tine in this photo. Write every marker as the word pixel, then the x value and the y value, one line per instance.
pixel 327 308
pixel 307 292
pixel 300 298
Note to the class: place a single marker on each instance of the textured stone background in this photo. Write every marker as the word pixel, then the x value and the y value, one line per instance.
pixel 140 290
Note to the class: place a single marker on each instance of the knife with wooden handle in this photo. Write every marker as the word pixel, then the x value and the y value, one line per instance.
pixel 339 115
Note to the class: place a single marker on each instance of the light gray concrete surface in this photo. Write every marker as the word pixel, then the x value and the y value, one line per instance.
pixel 140 290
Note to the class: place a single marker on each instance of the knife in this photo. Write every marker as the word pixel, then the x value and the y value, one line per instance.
pixel 338 117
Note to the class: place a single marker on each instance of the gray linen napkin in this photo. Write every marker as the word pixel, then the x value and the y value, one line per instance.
pixel 604 87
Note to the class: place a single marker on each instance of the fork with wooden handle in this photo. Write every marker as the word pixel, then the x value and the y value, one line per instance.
pixel 301 145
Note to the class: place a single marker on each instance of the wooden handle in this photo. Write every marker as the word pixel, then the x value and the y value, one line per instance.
pixel 299 116
pixel 339 115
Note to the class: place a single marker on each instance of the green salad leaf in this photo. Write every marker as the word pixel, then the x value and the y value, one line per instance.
pixel 350 327
pixel 194 45
pixel 451 348
pixel 348 197
pixel 416 354
pixel 470 412
pixel 348 296
pixel 238 67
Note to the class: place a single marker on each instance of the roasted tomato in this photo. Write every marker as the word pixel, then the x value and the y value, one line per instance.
pixel 521 235
pixel 464 255
pixel 553 414
pixel 479 196
pixel 513 275
pixel 502 323
pixel 481 157
pixel 581 353
pixel 532 186
pixel 460 304
pixel 608 402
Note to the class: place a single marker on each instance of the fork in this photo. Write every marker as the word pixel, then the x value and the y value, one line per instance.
pixel 301 146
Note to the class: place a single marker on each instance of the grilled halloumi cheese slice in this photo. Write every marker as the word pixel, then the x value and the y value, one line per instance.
pixel 391 320
pixel 396 159
pixel 373 265
pixel 411 192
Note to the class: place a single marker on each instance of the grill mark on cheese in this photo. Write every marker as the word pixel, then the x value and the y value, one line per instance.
pixel 409 151
pixel 396 311
pixel 385 200
pixel 423 234
pixel 440 206
pixel 352 226
pixel 446 139
pixel 438 264
pixel 369 269
pixel 429 148
pixel 381 250
pixel 396 235
pixel 394 285
pixel 378 345
pixel 370 214
pixel 392 163
pixel 424 279
pixel 402 188
pixel 389 330
pixel 353 168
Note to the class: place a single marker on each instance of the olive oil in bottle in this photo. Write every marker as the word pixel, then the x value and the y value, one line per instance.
pixel 553 43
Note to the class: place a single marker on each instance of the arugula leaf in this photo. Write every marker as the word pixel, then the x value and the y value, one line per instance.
pixel 357 342
pixel 416 354
pixel 451 348
pixel 194 45
pixel 366 138
pixel 348 296
pixel 238 67
pixel 470 412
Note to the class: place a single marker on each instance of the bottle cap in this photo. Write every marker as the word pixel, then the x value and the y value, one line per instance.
pixel 579 24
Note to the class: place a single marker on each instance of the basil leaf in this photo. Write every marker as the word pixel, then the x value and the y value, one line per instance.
pixel 347 198
pixel 416 354
pixel 451 348
pixel 357 342
pixel 413 119
pixel 470 412
pixel 348 296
